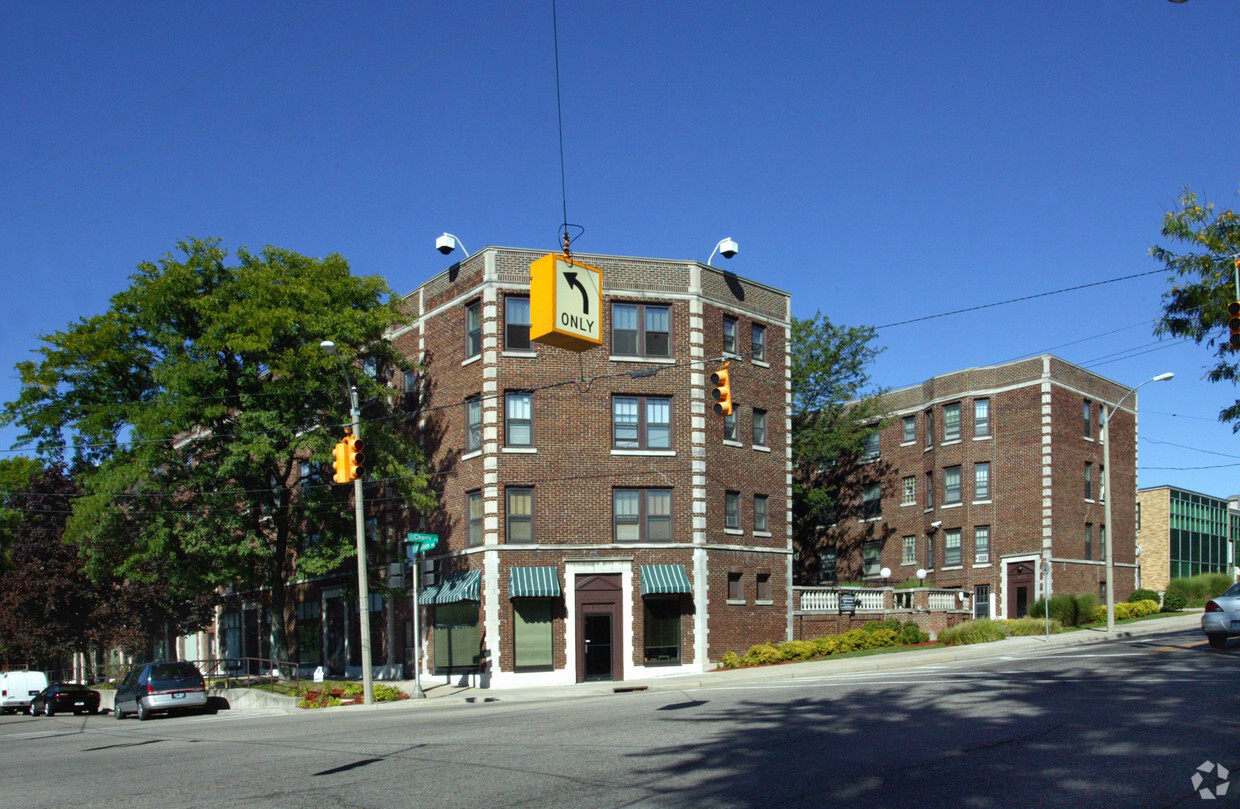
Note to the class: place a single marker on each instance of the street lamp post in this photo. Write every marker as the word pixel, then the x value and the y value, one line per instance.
pixel 359 519
pixel 1107 494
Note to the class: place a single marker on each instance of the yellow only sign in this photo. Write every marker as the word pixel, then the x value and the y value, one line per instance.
pixel 566 303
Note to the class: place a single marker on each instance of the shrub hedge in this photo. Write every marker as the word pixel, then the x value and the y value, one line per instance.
pixel 1128 609
pixel 1067 609
pixel 1142 594
pixel 873 635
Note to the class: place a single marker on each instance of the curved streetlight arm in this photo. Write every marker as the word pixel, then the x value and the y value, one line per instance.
pixel 1105 436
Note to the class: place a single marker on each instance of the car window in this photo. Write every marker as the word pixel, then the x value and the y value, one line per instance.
pixel 163 672
pixel 1234 590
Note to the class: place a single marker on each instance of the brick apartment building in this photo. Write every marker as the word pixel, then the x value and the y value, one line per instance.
pixel 597 520
pixel 994 471
pixel 1184 533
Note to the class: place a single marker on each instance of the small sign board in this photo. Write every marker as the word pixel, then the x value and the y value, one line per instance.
pixel 416 543
pixel 566 303
pixel 848 602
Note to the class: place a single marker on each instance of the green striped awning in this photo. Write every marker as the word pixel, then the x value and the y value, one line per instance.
pixel 533 582
pixel 453 587
pixel 658 579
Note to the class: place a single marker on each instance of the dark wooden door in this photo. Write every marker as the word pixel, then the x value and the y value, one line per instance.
pixel 598 614
pixel 1020 580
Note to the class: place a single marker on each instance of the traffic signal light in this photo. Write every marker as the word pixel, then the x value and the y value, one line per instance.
pixel 722 394
pixel 355 461
pixel 340 462
pixel 1233 322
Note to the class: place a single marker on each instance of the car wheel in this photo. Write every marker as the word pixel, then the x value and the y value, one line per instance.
pixel 143 713
pixel 118 712
pixel 48 710
pixel 32 711
pixel 1217 641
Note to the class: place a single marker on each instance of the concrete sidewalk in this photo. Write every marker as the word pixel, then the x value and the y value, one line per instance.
pixel 439 693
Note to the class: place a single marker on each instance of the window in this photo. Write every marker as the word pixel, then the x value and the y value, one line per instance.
pixel 640 330
pixel 662 629
pixel 473 515
pixel 951 548
pixel 1102 482
pixel 729 335
pixel 930 552
pixel 908 551
pixel 951 485
pixel 473 329
pixel 516 323
pixel 929 490
pixel 520 512
pixel 532 634
pixel 872 502
pixel 1089 481
pixel 951 422
pixel 736 587
pixel 981 601
pixel 981 544
pixel 981 481
pixel 871 558
pixel 757 333
pixel 1102 541
pixel 764 586
pixel 908 432
pixel 759 427
pixel 826 567
pixel 869 447
pixel 729 426
pixel 473 423
pixel 642 515
pixel 732 510
pixel 1089 422
pixel 981 418
pixel 929 428
pixel 409 386
pixel 759 513
pixel 1089 540
pixel 518 420
pixel 908 493
pixel 457 641
pixel 641 422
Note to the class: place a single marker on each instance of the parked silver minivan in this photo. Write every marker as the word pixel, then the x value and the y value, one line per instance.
pixel 161 687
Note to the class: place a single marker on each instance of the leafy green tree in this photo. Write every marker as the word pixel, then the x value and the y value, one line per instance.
pixel 834 410
pixel 201 414
pixel 1203 281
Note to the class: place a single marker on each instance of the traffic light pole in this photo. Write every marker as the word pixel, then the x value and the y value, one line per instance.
pixel 363 582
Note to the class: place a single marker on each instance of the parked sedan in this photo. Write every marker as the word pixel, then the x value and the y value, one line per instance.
pixel 65 698
pixel 1221 620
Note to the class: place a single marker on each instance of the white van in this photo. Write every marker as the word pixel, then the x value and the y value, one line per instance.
pixel 18 688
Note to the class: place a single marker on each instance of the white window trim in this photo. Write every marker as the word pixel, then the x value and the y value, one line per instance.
pixel 761 448
pixel 736 532
pixel 738 602
pixel 983 437
pixel 661 453
pixel 763 534
pixel 763 602
pixel 473 454
pixel 522 354
pixel 956 504
pixel 475 358
pixel 985 502
pixel 730 442
pixel 647 360
pixel 520 450
pixel 762 364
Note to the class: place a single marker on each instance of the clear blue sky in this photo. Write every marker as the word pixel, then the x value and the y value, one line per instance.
pixel 882 161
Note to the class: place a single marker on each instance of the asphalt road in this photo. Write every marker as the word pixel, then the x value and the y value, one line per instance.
pixel 1122 724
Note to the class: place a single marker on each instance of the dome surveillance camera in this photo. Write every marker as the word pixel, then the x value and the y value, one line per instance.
pixel 445 244
pixel 728 248
pixel 936 524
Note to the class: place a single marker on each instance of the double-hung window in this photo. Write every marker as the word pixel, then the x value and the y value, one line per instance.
pixel 520 512
pixel 641 422
pixel 642 515
pixel 516 323
pixel 1089 481
pixel 951 485
pixel 981 544
pixel 828 567
pixel 759 427
pixel 870 447
pixel 757 334
pixel 981 418
pixel 473 423
pixel 929 428
pixel 732 510
pixel 951 422
pixel 641 330
pixel 871 558
pixel 929 490
pixel 981 481
pixel 1089 422
pixel 759 513
pixel 518 420
pixel 951 548
pixel 473 516
pixel 1089 541
pixel 872 502
pixel 729 334
pixel 908 429
pixel 729 427
pixel 473 329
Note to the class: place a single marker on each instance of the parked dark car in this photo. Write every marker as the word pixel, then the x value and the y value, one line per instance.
pixel 65 698
pixel 165 686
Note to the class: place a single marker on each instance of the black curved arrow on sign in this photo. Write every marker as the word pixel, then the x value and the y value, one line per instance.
pixel 571 278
